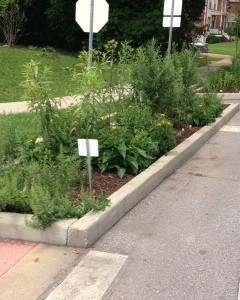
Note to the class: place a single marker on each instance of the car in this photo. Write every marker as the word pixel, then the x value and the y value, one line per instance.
pixel 200 46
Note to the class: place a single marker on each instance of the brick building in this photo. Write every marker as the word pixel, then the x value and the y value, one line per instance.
pixel 215 15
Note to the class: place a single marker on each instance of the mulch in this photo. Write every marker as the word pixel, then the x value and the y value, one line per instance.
pixel 110 182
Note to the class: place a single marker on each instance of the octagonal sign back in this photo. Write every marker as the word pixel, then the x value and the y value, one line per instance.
pixel 100 14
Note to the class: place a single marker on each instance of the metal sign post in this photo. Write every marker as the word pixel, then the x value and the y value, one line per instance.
pixel 170 29
pixel 91 17
pixel 90 49
pixel 172 17
pixel 90 44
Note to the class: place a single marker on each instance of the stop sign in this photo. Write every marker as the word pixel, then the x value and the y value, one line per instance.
pixel 100 14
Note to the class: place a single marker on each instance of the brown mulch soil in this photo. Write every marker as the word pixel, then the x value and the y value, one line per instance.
pixel 225 90
pixel 109 182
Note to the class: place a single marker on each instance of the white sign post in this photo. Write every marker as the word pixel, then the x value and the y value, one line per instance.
pixel 172 17
pixel 88 148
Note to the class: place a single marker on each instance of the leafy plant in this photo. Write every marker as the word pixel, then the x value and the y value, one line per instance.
pixel 204 110
pixel 44 188
pixel 213 39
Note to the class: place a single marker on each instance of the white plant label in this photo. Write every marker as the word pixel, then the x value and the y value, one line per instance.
pixel 93 147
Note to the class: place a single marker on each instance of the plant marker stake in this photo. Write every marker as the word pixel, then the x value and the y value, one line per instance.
pixel 88 148
pixel 89 166
pixel 170 29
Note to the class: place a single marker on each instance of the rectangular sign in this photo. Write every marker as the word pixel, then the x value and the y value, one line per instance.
pixel 93 147
pixel 167 11
pixel 167 21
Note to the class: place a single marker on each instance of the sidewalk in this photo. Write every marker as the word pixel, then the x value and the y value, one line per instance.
pixel 214 65
pixel 21 107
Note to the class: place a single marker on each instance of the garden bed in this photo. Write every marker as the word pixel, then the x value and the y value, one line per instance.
pixel 85 231
pixel 110 182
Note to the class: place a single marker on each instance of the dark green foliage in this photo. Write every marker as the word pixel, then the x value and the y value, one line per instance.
pixel 203 110
pixel 213 39
pixel 52 22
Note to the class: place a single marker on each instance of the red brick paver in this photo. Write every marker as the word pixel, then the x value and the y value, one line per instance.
pixel 11 252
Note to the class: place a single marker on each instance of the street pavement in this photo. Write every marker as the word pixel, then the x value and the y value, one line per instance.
pixel 180 243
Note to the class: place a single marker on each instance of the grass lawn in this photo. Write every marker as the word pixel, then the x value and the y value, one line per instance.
pixel 204 60
pixel 13 59
pixel 24 125
pixel 223 48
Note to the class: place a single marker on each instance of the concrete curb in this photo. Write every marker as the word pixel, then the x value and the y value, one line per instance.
pixel 85 231
pixel 229 96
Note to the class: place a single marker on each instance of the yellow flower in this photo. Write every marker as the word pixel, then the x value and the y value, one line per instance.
pixel 162 115
pixel 130 106
pixel 114 127
pixel 200 105
pixel 163 122
pixel 168 123
pixel 159 124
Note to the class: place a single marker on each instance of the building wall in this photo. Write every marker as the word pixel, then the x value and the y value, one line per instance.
pixel 215 15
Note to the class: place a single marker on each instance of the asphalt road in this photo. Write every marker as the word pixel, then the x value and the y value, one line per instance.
pixel 183 240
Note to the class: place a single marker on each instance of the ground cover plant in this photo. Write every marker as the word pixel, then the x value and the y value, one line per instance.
pixel 135 102
pixel 226 78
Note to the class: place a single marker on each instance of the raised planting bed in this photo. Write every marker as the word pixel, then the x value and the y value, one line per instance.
pixel 85 231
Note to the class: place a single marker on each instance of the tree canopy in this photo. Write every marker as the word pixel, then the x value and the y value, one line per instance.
pixel 52 22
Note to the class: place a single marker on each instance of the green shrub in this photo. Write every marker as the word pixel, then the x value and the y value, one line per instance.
pixel 213 39
pixel 154 79
pixel 135 138
pixel 204 110
pixel 44 188
pixel 225 77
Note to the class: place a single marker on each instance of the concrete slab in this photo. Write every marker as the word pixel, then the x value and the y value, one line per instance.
pixel 91 278
pixel 12 226
pixel 229 96
pixel 42 269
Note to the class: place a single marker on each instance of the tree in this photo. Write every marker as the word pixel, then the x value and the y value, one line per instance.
pixel 140 21
pixel 52 22
pixel 11 21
